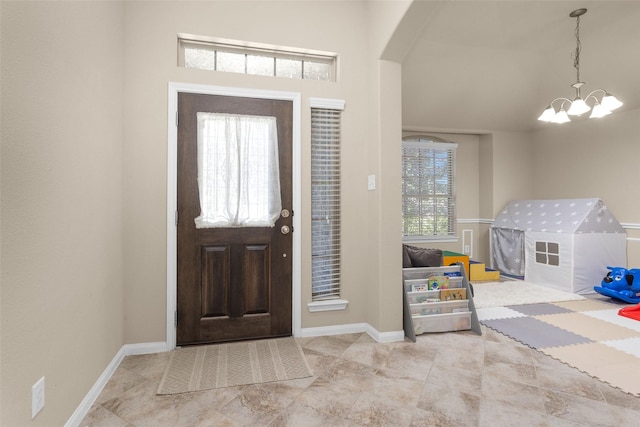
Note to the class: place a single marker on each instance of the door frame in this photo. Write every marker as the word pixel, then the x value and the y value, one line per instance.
pixel 172 194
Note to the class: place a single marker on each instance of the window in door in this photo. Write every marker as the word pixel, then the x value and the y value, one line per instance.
pixel 238 171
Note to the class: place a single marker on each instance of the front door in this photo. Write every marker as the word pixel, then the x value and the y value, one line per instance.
pixel 233 275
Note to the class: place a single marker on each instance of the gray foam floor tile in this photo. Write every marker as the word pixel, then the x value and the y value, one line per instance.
pixel 535 333
pixel 539 309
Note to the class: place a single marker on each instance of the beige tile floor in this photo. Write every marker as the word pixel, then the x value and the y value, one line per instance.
pixel 451 379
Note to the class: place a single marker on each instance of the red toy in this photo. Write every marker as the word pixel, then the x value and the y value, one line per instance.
pixel 632 312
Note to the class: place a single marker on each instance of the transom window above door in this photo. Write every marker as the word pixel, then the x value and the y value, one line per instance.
pixel 208 53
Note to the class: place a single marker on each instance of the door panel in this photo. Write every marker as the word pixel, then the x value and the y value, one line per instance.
pixel 215 286
pixel 233 283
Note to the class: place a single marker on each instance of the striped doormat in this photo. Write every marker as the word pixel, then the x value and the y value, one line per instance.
pixel 227 365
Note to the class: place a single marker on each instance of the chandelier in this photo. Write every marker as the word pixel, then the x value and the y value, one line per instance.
pixel 579 106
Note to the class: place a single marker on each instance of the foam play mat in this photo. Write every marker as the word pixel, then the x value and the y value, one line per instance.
pixel 588 335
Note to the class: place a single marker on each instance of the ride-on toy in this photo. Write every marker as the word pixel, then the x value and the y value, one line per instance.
pixel 632 312
pixel 622 284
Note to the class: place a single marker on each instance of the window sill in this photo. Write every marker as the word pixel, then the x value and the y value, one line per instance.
pixel 443 239
pixel 328 305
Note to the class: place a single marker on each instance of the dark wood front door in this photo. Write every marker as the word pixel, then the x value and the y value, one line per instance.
pixel 233 283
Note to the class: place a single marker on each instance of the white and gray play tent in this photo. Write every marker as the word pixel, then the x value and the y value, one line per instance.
pixel 565 244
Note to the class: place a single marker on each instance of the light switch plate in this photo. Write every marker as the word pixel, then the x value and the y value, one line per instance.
pixel 371 182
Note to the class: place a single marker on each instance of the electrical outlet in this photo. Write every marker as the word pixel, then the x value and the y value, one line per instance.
pixel 467 249
pixel 37 397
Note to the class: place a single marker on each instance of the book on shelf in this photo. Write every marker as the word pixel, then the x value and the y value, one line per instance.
pixel 453 294
pixel 422 287
pixel 438 282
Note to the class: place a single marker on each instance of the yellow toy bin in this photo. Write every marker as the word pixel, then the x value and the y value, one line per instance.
pixel 449 258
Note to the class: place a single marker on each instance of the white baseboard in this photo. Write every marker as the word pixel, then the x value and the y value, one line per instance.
pixel 144 348
pixel 384 337
pixel 82 410
pixel 353 328
pixel 126 350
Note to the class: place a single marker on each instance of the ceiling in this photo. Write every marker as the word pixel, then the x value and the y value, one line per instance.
pixel 477 66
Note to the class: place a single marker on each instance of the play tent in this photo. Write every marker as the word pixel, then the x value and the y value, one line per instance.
pixel 565 244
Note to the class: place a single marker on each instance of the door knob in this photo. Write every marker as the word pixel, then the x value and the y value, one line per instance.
pixel 285 229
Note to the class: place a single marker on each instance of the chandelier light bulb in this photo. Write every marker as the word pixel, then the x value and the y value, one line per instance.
pixel 561 117
pixel 599 111
pixel 548 114
pixel 578 107
pixel 610 102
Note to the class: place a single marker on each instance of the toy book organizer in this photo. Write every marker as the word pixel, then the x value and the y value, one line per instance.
pixel 437 299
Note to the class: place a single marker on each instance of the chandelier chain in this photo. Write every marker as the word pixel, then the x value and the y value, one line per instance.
pixel 576 55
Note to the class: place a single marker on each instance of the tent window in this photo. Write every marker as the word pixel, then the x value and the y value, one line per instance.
pixel 548 253
pixel 428 188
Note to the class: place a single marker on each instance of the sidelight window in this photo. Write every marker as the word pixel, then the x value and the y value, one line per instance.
pixel 325 203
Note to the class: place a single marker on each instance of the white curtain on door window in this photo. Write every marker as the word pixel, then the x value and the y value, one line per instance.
pixel 238 171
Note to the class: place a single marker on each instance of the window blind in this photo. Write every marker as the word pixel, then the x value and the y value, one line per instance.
pixel 428 189
pixel 325 203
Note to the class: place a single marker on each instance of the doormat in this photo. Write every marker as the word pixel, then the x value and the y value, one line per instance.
pixel 227 365
pixel 516 292
pixel 588 335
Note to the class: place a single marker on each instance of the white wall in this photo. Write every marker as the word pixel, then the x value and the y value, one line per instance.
pixel 151 30
pixel 83 214
pixel 84 121
pixel 383 265
pixel 61 276
pixel 512 169
pixel 593 158
pixel 84 185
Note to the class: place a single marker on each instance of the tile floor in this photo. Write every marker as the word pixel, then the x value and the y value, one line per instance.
pixel 450 379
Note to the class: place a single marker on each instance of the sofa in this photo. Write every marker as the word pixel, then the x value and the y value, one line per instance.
pixel 413 256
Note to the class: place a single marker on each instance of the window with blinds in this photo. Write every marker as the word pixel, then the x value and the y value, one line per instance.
pixel 325 203
pixel 428 188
